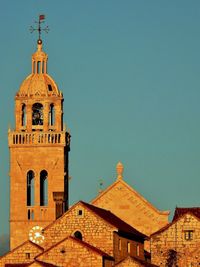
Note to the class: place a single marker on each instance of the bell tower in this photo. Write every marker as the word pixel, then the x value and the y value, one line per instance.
pixel 39 147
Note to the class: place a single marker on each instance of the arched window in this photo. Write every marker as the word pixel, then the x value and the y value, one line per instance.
pixel 52 115
pixel 37 114
pixel 30 188
pixel 23 115
pixel 78 235
pixel 43 188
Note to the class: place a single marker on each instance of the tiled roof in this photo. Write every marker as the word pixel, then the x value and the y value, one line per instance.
pixel 179 212
pixel 114 220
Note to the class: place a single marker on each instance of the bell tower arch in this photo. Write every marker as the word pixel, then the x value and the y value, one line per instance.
pixel 39 147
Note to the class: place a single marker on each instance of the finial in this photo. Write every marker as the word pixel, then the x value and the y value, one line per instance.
pixel 39 29
pixel 119 169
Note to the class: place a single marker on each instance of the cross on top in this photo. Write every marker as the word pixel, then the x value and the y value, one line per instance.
pixel 39 29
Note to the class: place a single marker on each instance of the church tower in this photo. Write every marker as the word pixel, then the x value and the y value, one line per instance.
pixel 39 147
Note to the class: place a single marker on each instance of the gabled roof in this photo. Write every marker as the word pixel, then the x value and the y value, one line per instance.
pixel 24 243
pixel 179 212
pixel 114 220
pixel 81 242
pixel 132 190
pixel 106 216
pixel 135 259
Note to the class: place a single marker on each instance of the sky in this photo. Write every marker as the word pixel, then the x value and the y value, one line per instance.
pixel 129 72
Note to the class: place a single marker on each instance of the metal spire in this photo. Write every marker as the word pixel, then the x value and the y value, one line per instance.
pixel 39 29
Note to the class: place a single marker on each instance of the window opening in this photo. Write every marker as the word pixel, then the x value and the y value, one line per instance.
pixel 50 87
pixel 38 66
pixel 78 235
pixel 30 188
pixel 80 212
pixel 137 250
pixel 28 256
pixel 120 244
pixel 43 188
pixel 52 115
pixel 23 115
pixel 29 214
pixel 37 114
pixel 128 247
pixel 189 235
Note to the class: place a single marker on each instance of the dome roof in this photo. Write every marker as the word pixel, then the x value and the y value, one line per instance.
pixel 38 85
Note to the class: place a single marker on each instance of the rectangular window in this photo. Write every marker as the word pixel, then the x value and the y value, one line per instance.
pixel 120 244
pixel 128 247
pixel 188 234
pixel 28 255
pixel 80 213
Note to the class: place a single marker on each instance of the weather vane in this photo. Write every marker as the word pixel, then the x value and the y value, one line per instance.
pixel 39 28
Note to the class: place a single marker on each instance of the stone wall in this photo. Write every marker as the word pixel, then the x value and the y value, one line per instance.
pixel 72 253
pixel 174 238
pixel 94 230
pixel 22 254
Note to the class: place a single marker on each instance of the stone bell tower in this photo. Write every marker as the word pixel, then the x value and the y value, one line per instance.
pixel 39 148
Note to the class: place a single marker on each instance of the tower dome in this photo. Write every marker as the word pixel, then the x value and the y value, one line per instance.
pixel 39 83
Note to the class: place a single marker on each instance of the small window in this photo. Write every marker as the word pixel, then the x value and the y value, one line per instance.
pixel 120 244
pixel 50 87
pixel 80 212
pixel 128 247
pixel 137 250
pixel 28 256
pixel 189 235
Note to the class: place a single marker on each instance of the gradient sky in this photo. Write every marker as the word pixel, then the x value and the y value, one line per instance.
pixel 129 72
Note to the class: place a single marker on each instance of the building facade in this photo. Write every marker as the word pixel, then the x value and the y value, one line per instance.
pixel 178 242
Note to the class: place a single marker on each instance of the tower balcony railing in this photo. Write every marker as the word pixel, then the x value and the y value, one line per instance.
pixel 36 138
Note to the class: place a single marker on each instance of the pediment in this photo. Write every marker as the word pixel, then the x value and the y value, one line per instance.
pixel 130 206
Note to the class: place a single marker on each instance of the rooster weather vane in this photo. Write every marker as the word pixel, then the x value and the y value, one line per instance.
pixel 39 29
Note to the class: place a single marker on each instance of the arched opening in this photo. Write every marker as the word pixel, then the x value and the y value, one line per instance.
pixel 78 235
pixel 30 188
pixel 43 188
pixel 52 115
pixel 37 114
pixel 38 67
pixel 23 115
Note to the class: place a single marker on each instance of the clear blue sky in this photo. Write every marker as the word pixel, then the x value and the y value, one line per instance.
pixel 129 71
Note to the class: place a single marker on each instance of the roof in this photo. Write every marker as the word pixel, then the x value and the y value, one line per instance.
pixel 120 181
pixel 146 264
pixel 179 212
pixel 81 242
pixel 95 249
pixel 21 245
pixel 114 220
